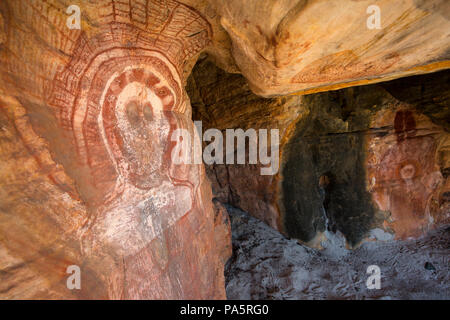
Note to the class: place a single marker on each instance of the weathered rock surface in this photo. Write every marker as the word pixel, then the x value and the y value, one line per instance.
pixel 285 46
pixel 351 160
pixel 266 265
pixel 221 100
pixel 86 171
pixel 388 156
pixel 86 116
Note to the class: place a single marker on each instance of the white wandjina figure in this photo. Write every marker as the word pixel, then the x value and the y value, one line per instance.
pixel 135 123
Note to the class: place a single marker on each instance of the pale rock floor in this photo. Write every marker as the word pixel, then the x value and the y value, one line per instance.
pixel 266 265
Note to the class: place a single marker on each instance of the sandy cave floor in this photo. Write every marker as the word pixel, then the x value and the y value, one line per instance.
pixel 267 265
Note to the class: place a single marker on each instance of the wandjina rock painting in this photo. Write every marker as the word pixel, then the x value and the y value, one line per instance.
pixel 93 205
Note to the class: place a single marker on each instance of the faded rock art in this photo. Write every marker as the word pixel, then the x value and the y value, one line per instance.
pixel 116 94
pixel 403 174
pixel 93 91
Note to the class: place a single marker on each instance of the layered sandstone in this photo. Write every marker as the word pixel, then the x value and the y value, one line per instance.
pixel 353 161
pixel 87 177
pixel 285 46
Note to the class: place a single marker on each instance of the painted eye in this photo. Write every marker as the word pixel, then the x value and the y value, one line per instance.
pixel 408 171
pixel 148 113
pixel 162 92
pixel 132 111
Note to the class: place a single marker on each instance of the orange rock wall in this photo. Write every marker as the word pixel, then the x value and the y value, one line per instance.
pixel 88 179
pixel 288 46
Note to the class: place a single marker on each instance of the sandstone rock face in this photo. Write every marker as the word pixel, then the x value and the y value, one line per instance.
pixel 222 101
pixel 91 93
pixel 87 174
pixel 285 46
pixel 383 159
pixel 352 161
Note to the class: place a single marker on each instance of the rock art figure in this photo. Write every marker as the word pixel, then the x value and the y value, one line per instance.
pixel 403 175
pixel 88 109
pixel 111 103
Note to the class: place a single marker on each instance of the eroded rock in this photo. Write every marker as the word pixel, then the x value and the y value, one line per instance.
pixel 88 178
pixel 87 112
pixel 351 160
pixel 311 46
